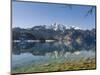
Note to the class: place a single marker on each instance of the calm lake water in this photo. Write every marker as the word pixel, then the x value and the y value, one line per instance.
pixel 27 53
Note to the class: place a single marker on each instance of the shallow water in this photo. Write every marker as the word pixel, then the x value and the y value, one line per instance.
pixel 24 54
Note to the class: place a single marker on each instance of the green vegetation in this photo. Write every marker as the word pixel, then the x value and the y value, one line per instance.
pixel 83 64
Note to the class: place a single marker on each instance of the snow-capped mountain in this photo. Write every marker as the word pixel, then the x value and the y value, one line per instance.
pixel 56 27
pixel 62 27
pixel 75 27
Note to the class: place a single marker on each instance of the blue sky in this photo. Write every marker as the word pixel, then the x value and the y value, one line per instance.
pixel 29 14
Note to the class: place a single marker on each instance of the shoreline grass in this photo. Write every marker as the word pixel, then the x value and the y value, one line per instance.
pixel 86 64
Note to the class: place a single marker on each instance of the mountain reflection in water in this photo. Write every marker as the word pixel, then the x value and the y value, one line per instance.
pixel 44 48
pixel 26 53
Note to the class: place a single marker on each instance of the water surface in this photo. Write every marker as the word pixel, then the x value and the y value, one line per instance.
pixel 27 53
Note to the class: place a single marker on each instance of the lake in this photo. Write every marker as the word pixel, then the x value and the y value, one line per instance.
pixel 27 53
